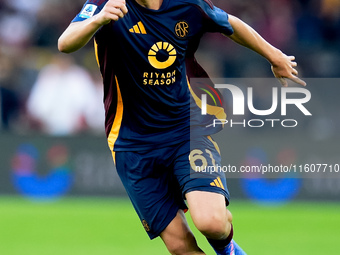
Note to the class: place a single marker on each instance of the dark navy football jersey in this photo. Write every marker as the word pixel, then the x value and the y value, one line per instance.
pixel 144 58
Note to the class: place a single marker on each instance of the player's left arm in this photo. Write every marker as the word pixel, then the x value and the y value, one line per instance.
pixel 283 66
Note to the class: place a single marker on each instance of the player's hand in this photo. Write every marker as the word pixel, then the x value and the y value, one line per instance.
pixel 113 10
pixel 284 68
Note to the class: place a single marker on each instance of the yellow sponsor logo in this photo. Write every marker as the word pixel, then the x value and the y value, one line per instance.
pixel 155 78
pixel 167 50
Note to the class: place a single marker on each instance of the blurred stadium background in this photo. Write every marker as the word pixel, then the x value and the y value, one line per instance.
pixel 59 193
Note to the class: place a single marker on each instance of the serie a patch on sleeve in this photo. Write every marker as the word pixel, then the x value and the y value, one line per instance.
pixel 88 11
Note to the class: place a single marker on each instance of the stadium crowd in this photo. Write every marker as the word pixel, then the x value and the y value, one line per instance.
pixel 37 82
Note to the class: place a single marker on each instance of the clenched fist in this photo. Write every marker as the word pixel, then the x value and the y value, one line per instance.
pixel 113 10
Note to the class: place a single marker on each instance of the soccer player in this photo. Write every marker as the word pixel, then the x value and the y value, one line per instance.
pixel 145 50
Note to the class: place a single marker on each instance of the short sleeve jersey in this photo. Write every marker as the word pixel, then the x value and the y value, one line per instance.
pixel 143 59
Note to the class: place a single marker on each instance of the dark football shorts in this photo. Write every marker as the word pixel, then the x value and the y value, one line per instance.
pixel 157 180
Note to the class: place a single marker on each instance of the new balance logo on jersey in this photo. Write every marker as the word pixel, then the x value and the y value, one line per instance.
pixel 138 28
pixel 217 183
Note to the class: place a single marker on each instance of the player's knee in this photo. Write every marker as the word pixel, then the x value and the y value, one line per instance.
pixel 215 225
pixel 213 229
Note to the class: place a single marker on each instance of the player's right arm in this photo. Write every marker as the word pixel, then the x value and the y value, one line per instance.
pixel 283 66
pixel 78 34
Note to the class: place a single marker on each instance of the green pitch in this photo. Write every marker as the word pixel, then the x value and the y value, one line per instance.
pixel 110 227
